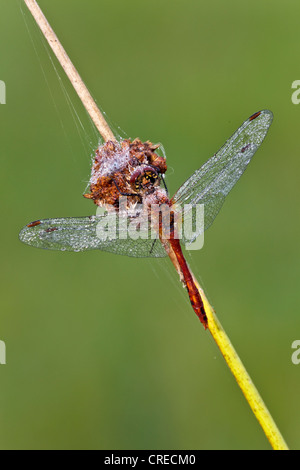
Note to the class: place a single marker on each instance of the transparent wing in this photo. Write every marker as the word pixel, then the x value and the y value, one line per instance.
pixel 105 233
pixel 214 180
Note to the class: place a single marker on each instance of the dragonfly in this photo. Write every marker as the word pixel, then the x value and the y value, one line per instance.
pixel 134 172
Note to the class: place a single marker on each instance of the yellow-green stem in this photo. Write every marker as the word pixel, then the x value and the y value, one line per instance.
pixel 242 377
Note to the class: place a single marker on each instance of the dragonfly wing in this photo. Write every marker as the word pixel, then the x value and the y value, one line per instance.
pixel 90 233
pixel 214 180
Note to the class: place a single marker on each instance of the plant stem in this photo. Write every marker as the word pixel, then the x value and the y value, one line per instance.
pixel 74 77
pixel 242 377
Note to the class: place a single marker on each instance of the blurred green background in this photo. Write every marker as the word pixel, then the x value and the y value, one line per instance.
pixel 104 351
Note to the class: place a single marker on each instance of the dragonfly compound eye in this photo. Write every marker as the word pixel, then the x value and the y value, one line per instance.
pixel 144 178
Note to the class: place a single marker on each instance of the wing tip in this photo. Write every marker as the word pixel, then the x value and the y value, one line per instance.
pixel 27 233
pixel 23 234
pixel 265 112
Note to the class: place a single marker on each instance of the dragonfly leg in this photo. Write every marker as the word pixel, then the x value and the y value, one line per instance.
pixel 127 194
pixel 152 247
pixel 164 183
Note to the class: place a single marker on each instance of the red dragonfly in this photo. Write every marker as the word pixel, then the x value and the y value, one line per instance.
pixel 133 172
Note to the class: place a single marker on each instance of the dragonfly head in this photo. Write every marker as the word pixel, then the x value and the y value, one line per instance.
pixel 125 168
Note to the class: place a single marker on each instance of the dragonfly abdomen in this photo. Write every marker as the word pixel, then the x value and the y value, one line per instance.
pixel 194 295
